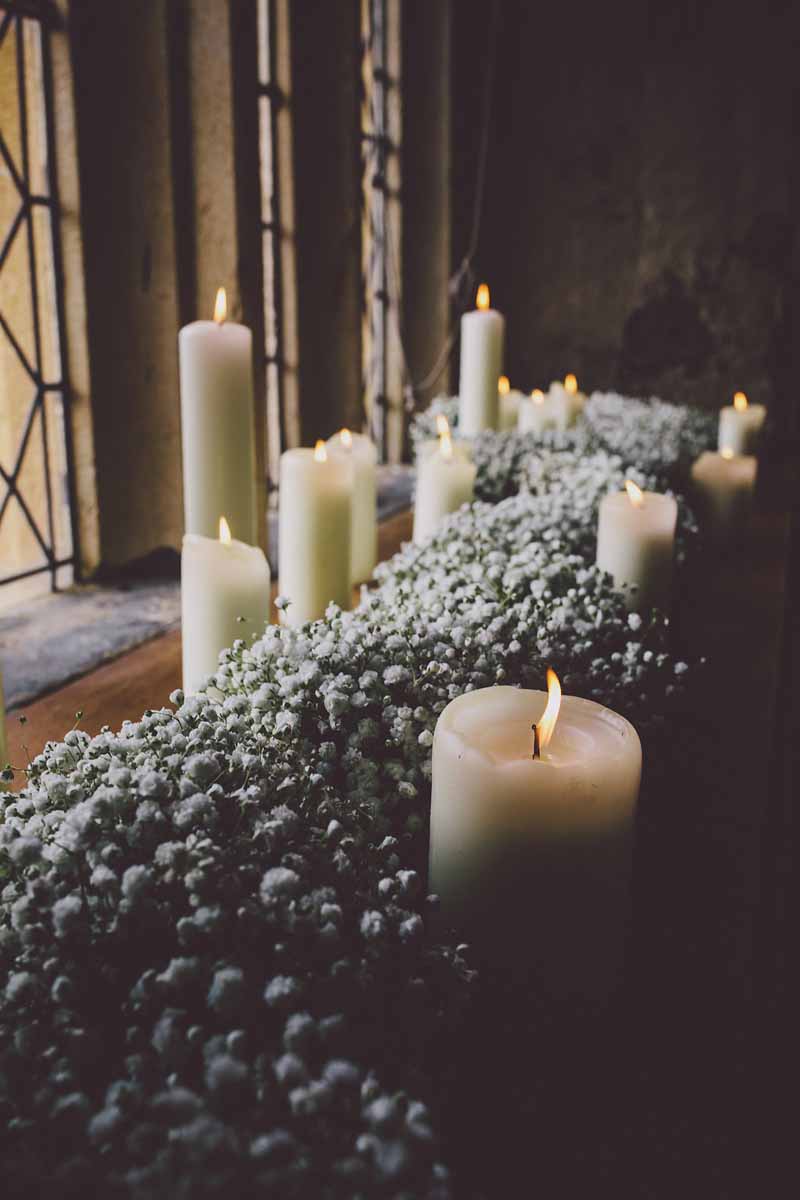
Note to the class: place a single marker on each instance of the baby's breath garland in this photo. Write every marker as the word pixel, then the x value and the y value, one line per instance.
pixel 217 970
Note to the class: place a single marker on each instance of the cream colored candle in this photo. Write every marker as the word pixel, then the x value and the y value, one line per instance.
pixel 740 425
pixel 225 595
pixel 535 413
pixel 636 544
pixel 566 402
pixel 533 854
pixel 509 400
pixel 482 337
pixel 445 481
pixel 724 484
pixel 461 450
pixel 362 454
pixel 217 426
pixel 314 529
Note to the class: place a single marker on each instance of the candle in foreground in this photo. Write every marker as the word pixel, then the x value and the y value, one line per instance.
pixel 535 413
pixel 724 484
pixel 509 400
pixel 314 530
pixel 636 544
pixel 217 426
pixel 482 337
pixel 224 596
pixel 740 425
pixel 566 402
pixel 531 831
pixel 445 481
pixel 362 454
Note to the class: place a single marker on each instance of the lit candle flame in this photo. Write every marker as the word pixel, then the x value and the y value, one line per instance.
pixel 446 445
pixel 224 532
pixel 221 306
pixel 320 453
pixel 635 493
pixel 503 386
pixel 482 298
pixel 537 396
pixel 727 453
pixel 442 424
pixel 543 731
pixel 570 384
pixel 346 438
pixel 740 402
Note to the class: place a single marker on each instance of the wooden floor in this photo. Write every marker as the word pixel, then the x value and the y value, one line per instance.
pixel 122 690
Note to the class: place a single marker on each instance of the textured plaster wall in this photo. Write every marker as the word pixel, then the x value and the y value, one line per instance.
pixel 641 215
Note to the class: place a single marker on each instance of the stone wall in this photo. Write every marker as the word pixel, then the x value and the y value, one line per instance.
pixel 641 219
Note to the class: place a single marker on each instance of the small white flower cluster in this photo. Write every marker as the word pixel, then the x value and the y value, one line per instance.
pixel 199 912
pixel 650 437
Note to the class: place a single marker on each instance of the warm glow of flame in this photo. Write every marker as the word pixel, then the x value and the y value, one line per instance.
pixel 224 532
pixel 740 402
pixel 320 453
pixel 446 445
pixel 635 493
pixel 346 438
pixel 503 386
pixel 482 298
pixel 537 396
pixel 727 453
pixel 442 424
pixel 547 723
pixel 220 306
pixel 570 384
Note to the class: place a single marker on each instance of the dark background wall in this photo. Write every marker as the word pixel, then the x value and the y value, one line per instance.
pixel 641 214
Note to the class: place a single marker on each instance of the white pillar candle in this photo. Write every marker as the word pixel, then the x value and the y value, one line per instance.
pixel 314 526
pixel 362 454
pixel 535 413
pixel 217 426
pixel 534 854
pixel 509 400
pixel 566 402
pixel 636 544
pixel 225 595
pixel 724 485
pixel 461 450
pixel 482 336
pixel 445 481
pixel 740 425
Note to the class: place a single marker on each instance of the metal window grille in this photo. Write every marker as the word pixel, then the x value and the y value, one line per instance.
pixel 37 513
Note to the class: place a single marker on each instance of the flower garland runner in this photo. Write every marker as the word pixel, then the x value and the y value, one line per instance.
pixel 216 966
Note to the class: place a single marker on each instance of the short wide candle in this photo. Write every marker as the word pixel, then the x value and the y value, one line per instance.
pixel 724 484
pixel 314 527
pixel 362 454
pixel 217 426
pixel 225 595
pixel 482 338
pixel 445 481
pixel 531 858
pixel 636 544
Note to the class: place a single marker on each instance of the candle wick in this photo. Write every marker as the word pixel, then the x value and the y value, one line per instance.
pixel 537 746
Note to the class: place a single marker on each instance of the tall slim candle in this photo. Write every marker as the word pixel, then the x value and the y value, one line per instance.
pixel 314 530
pixel 362 455
pixel 445 481
pixel 217 423
pixel 225 595
pixel 482 337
